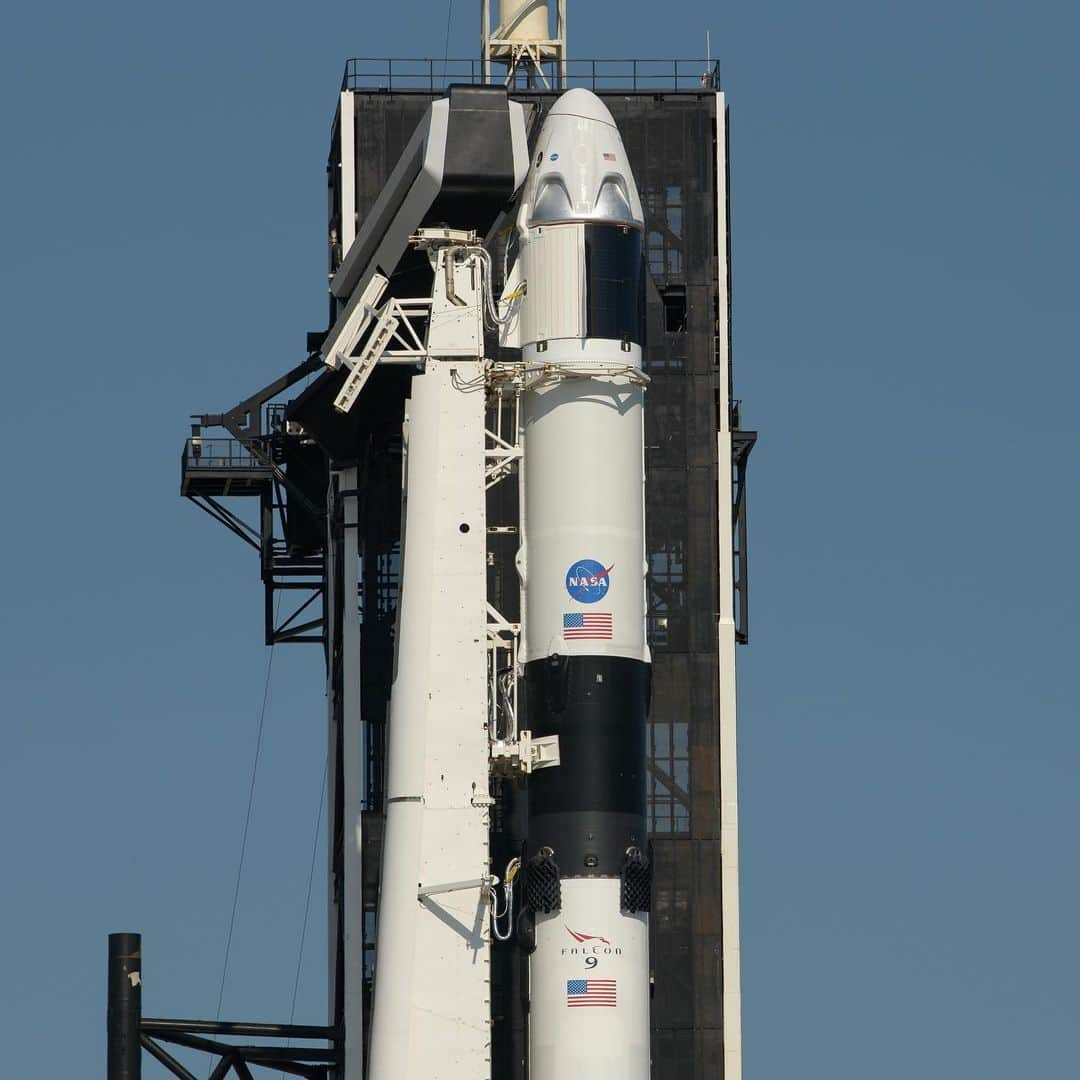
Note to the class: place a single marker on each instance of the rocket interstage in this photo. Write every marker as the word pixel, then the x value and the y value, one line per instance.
pixel 582 563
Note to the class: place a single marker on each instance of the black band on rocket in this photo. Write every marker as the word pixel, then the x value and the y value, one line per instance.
pixel 591 808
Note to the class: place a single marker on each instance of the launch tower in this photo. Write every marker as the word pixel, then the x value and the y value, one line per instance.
pixel 427 167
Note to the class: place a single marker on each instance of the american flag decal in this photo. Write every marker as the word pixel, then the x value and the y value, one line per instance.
pixel 587 626
pixel 584 993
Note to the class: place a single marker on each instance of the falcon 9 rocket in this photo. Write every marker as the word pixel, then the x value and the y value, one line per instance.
pixel 578 240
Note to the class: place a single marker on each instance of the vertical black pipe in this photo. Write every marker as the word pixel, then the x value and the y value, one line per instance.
pixel 125 1007
pixel 509 967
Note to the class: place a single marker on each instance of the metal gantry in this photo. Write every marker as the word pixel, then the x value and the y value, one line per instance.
pixel 262 460
pixel 130 1033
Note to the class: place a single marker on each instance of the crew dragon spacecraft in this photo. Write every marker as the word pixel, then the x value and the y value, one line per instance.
pixel 535 374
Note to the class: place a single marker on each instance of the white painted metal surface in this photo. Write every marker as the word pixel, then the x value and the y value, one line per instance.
pixel 589 988
pixel 523 20
pixel 347 165
pixel 361 368
pixel 579 164
pixel 522 39
pixel 729 790
pixel 432 1010
pixel 553 267
pixel 457 312
pixel 431 1016
pixel 584 512
pixel 582 552
pixel 582 558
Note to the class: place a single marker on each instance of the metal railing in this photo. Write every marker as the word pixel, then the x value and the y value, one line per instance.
pixel 200 453
pixel 432 75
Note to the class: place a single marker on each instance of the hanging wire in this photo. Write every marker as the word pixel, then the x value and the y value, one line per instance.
pixel 506 913
pixel 307 901
pixel 446 52
pixel 247 820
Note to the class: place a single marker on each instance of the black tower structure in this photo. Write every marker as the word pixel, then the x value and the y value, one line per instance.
pixel 676 142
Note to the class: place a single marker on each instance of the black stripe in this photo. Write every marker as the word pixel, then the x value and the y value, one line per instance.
pixel 591 807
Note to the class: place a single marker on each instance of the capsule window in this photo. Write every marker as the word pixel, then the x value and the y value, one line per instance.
pixel 614 283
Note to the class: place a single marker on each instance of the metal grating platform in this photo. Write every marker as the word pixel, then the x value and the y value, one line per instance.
pixel 221 467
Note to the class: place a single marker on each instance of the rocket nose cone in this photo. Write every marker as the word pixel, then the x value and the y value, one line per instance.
pixel 583 103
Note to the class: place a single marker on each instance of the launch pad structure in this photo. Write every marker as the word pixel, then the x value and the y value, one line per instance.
pixel 328 487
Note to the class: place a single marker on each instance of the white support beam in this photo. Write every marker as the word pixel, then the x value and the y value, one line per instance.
pixel 560 33
pixel 729 790
pixel 364 365
pixel 431 1014
pixel 485 37
pixel 346 112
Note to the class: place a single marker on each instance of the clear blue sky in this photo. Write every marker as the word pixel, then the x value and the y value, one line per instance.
pixel 905 239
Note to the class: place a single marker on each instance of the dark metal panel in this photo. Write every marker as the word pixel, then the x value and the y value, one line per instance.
pixel 383 126
pixel 124 1015
pixel 670 937
pixel 670 146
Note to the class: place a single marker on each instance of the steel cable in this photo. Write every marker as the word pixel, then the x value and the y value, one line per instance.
pixel 446 51
pixel 247 821
pixel 307 901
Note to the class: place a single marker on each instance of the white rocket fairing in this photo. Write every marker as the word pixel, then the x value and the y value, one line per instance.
pixel 582 563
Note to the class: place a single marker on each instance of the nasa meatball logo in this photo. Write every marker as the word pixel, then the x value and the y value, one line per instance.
pixel 588 581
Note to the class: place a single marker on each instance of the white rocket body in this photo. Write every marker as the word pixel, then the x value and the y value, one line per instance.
pixel 584 471
pixel 601 1029
pixel 582 561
